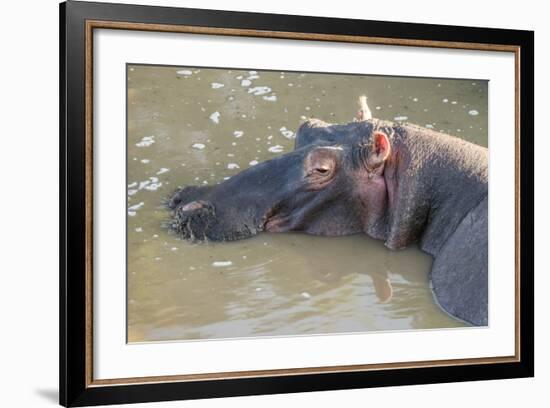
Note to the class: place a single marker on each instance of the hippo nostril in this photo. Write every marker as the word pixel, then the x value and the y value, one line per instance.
pixel 194 205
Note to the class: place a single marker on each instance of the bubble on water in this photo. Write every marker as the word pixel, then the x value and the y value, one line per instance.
pixel 290 84
pixel 378 108
pixel 142 184
pixel 306 295
pixel 276 149
pixel 233 143
pixel 270 98
pixel 473 112
pixel 132 210
pixel 429 126
pixel 218 264
pixel 138 229
pixel 400 118
pixel 415 99
pixel 198 146
pixel 308 108
pixel 453 102
pixel 158 258
pixel 226 178
pixel 259 90
pixel 163 170
pixel 132 184
pixel 154 185
pixel 445 100
pixel 233 166
pixel 185 72
pixel 252 77
pixel 289 134
pixel 217 85
pixel 258 289
pixel 174 248
pixel 230 155
pixel 215 117
pixel 132 192
pixel 239 77
pixel 146 141
pixel 246 82
pixel 253 162
pixel 145 161
pixel 238 133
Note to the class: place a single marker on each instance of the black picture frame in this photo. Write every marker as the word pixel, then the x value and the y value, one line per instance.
pixel 76 387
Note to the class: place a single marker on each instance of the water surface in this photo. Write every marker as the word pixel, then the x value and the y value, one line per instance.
pixel 198 126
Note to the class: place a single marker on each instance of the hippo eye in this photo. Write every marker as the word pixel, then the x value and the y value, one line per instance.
pixel 322 170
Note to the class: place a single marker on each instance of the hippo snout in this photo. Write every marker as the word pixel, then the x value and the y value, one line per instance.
pixel 194 220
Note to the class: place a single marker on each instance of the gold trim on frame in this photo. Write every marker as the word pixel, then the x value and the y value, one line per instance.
pixel 93 24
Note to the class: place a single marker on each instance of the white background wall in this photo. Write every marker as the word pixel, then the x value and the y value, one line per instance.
pixel 29 204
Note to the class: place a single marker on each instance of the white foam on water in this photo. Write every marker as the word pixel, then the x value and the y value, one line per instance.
pixel 184 72
pixel 136 206
pixel 145 161
pixel 232 166
pixel 142 184
pixel 138 229
pixel 238 133
pixel 306 295
pixel 289 134
pixel 226 178
pixel 230 155
pixel 146 141
pixel 219 264
pixel 473 112
pixel 132 184
pixel 276 149
pixel 445 100
pixel 259 90
pixel 215 117
pixel 454 102
pixel 253 162
pixel 132 192
pixel 270 98
pixel 217 85
pixel 153 186
pixel 429 126
pixel 400 118
pixel 252 72
pixel 252 77
pixel 246 82
pixel 378 108
pixel 163 170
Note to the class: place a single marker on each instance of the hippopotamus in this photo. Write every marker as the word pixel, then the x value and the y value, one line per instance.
pixel 397 182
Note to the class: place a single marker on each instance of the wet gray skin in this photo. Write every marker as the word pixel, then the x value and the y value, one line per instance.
pixel 398 183
pixel 272 284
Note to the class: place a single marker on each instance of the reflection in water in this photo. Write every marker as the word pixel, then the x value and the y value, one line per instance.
pixel 198 126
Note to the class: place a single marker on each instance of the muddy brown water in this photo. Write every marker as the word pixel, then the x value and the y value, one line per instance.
pixel 197 126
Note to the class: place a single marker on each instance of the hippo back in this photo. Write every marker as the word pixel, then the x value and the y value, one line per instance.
pixel 459 274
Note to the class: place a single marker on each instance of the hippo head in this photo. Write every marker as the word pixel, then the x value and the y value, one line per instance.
pixel 332 184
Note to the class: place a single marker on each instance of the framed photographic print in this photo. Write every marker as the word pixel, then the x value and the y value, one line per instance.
pixel 255 203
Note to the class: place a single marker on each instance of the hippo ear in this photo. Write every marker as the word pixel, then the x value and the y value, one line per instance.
pixel 380 151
